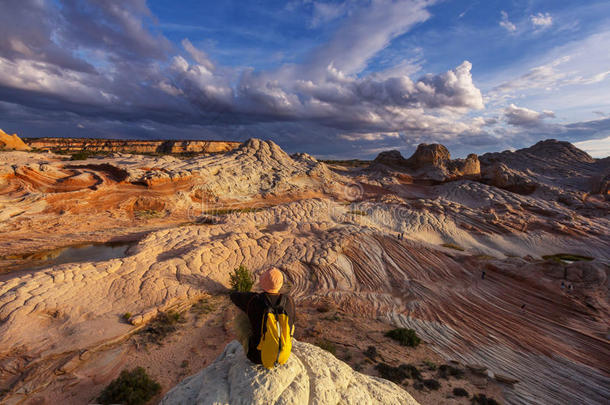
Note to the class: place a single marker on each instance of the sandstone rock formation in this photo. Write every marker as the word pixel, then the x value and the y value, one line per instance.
pixel 311 376
pixel 431 162
pixel 130 146
pixel 330 245
pixel 11 142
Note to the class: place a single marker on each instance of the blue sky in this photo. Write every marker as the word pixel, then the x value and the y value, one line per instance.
pixel 341 79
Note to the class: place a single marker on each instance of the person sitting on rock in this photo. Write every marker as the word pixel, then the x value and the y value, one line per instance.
pixel 254 305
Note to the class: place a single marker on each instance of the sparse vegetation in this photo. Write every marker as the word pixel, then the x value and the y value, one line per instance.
pixel 453 246
pixel 431 384
pixel 241 279
pixel 371 352
pixel 481 399
pixel 184 364
pixel 358 212
pixel 323 307
pixel 430 365
pixel 148 214
pixel 560 257
pixel 202 307
pixel 161 326
pixel 406 337
pixel 460 392
pixel 127 316
pixel 445 371
pixel 398 374
pixel 328 346
pixel 133 387
pixel 225 211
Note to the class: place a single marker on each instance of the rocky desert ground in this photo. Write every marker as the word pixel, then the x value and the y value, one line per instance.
pixel 499 262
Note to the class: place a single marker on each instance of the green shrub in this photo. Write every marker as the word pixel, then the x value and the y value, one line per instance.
pixel 162 325
pixel 566 256
pixel 202 307
pixel 446 370
pixel 398 374
pixel 133 387
pixel 126 316
pixel 481 399
pixel 460 392
pixel 371 352
pixel 241 279
pixel 453 246
pixel 358 212
pixel 328 346
pixel 430 365
pixel 406 337
pixel 431 384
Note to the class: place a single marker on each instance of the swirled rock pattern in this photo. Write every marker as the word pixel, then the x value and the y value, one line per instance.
pixel 336 238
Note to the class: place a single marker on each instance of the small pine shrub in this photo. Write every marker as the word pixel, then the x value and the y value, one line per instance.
pixel 460 392
pixel 430 365
pixel 241 279
pixel 406 337
pixel 481 399
pixel 133 387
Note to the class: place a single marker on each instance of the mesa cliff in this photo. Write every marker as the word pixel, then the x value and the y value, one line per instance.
pixel 130 146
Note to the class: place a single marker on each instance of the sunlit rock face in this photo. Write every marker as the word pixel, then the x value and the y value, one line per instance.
pixel 311 376
pixel 11 142
pixel 334 233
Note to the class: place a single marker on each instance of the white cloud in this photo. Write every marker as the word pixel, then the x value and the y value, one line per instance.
pixel 505 22
pixel 597 148
pixel 524 117
pixel 541 20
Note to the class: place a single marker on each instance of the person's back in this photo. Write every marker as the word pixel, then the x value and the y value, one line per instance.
pixel 255 305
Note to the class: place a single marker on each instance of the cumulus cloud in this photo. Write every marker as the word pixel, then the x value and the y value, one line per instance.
pixel 524 117
pixel 541 20
pixel 505 22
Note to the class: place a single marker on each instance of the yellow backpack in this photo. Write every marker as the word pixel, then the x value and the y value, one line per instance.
pixel 276 335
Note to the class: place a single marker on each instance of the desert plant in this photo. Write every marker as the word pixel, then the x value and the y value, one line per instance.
pixel 398 374
pixel 202 307
pixel 431 384
pixel 453 246
pixel 446 370
pixel 328 346
pixel 371 352
pixel 162 325
pixel 133 387
pixel 241 279
pixel 126 316
pixel 430 365
pixel 481 399
pixel 358 212
pixel 460 392
pixel 559 257
pixel 406 337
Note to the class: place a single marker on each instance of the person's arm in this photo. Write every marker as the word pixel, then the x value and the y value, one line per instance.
pixel 241 299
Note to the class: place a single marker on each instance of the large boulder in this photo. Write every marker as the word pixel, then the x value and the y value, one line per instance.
pixel 311 376
pixel 11 142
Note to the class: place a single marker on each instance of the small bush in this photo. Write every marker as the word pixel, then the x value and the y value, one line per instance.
pixel 460 392
pixel 241 279
pixel 130 388
pixel 328 346
pixel 127 316
pixel 184 364
pixel 202 307
pixel 566 256
pixel 148 214
pixel 406 337
pixel 358 212
pixel 453 246
pixel 398 374
pixel 162 325
pixel 371 352
pixel 481 399
pixel 446 370
pixel 431 384
pixel 430 365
